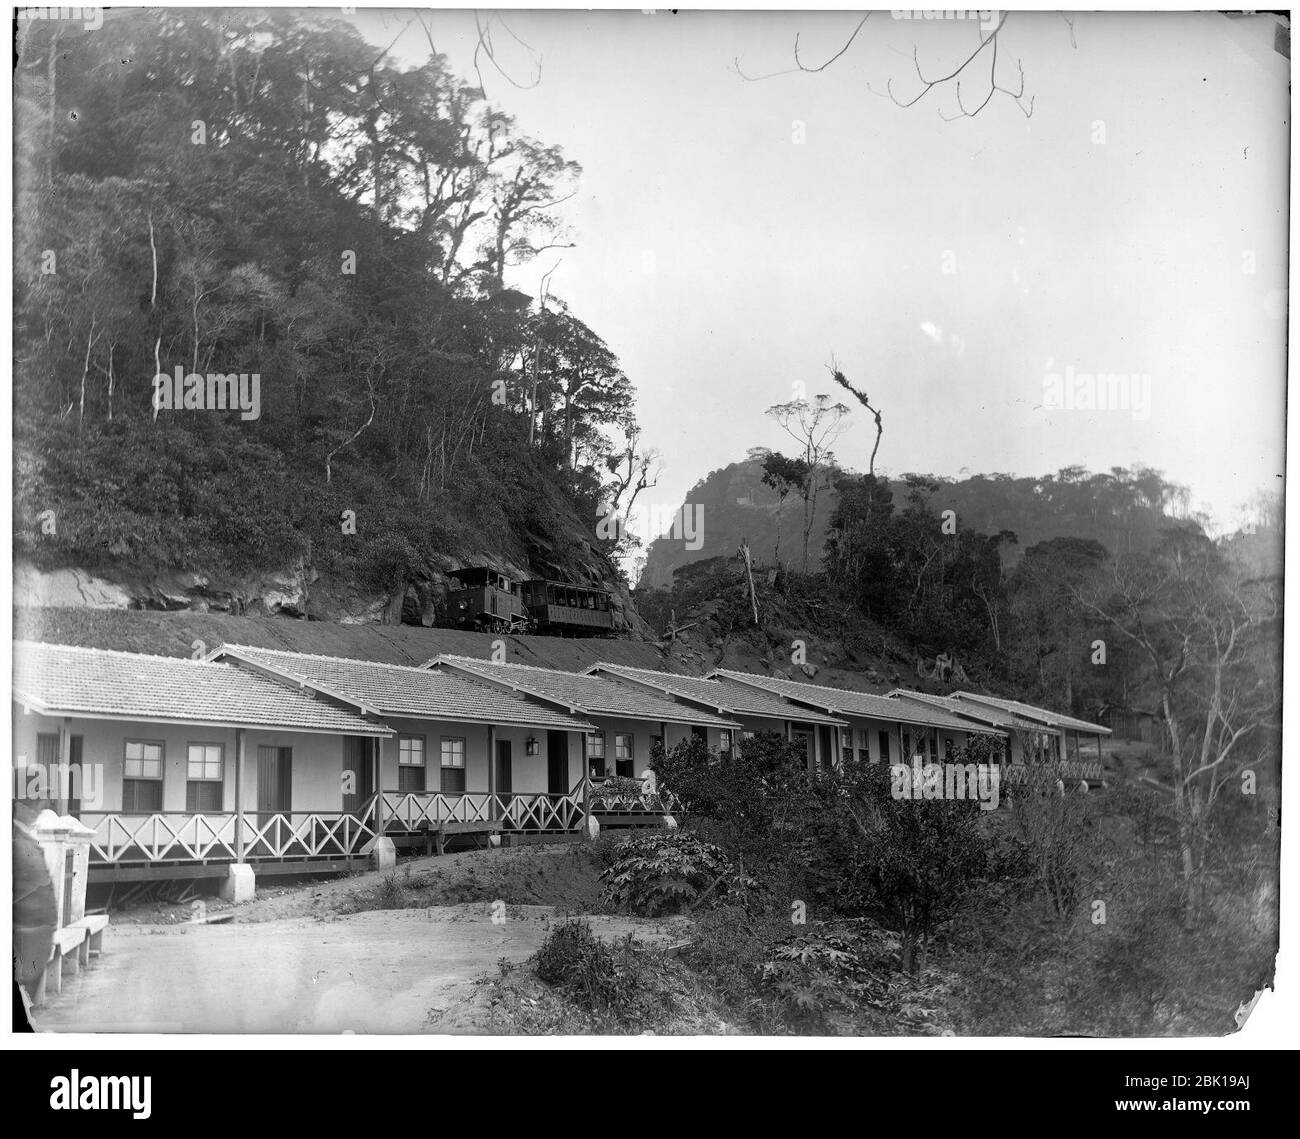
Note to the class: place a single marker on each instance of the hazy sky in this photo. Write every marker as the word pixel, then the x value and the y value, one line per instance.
pixel 1136 224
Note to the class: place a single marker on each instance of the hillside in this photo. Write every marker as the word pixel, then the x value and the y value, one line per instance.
pixel 266 355
pixel 1122 509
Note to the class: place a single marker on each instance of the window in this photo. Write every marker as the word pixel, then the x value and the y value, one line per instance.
pixel 410 763
pixel 453 765
pixel 205 771
pixel 724 743
pixel 596 754
pixel 624 761
pixel 883 739
pixel 142 777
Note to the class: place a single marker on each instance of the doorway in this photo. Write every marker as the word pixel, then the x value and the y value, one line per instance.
pixel 358 773
pixel 557 763
pixel 504 770
pixel 274 782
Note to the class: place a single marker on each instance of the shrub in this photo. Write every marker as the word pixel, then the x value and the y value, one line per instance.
pixel 911 864
pixel 618 985
pixel 663 873
pixel 749 801
pixel 821 980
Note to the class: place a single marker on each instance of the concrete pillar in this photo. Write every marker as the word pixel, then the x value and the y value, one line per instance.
pixel 239 794
pixel 240 884
pixel 65 843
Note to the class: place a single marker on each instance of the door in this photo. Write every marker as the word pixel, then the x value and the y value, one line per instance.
pixel 505 785
pixel 827 746
pixel 359 773
pixel 557 763
pixel 804 736
pixel 274 781
pixel 47 759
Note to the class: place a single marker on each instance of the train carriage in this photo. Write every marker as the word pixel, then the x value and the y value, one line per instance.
pixel 567 610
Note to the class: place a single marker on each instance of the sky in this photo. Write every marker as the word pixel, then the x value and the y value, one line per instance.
pixel 733 234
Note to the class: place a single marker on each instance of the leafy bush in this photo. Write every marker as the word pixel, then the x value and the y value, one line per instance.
pixel 748 802
pixel 662 873
pixel 620 986
pixel 821 979
pixel 910 864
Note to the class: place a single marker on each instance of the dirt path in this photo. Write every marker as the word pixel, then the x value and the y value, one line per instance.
pixel 387 971
pixel 561 874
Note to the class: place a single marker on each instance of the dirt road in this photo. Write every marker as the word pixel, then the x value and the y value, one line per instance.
pixel 384 971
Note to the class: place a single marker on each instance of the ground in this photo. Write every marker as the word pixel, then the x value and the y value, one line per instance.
pixel 322 957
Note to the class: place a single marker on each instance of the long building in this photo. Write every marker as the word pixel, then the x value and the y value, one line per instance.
pixel 257 761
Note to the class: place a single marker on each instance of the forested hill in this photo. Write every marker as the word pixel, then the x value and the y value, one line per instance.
pixel 261 194
pixel 1122 509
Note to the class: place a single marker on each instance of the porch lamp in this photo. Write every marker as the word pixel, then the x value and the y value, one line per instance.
pixel 530 746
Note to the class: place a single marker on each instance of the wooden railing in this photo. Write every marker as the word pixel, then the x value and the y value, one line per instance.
pixel 526 812
pixel 183 836
pixel 647 802
pixel 1068 770
pixel 171 836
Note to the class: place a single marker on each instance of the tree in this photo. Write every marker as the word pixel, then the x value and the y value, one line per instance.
pixel 1210 638
pixel 865 400
pixel 910 861
pixel 783 475
pixel 814 426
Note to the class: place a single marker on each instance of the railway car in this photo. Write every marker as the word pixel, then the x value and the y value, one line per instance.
pixel 567 610
pixel 486 600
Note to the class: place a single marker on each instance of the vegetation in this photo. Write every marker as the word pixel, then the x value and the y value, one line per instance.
pixel 265 193
pixel 660 874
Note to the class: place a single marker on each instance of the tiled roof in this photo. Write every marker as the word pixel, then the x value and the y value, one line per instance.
pixel 1032 712
pixel 585 693
pixel 984 714
pixel 65 680
pixel 400 690
pixel 728 699
pixel 848 703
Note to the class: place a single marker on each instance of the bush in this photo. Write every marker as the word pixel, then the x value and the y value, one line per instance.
pixel 622 988
pixel 821 980
pixel 749 801
pixel 572 958
pixel 662 874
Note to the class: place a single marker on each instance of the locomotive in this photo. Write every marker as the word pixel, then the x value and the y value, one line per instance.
pixel 490 602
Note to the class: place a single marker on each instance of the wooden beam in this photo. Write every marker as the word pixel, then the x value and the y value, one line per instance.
pixel 492 770
pixel 65 766
pixel 586 782
pixel 239 794
pixel 379 787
